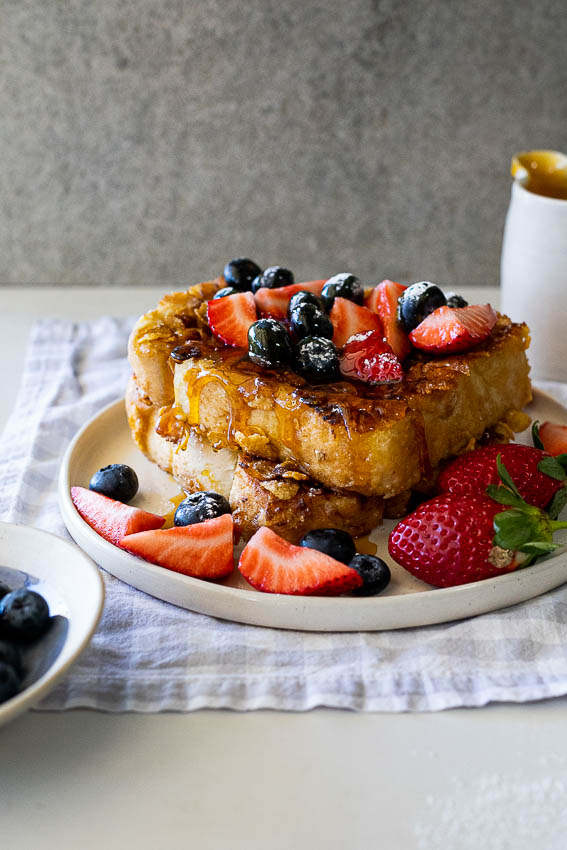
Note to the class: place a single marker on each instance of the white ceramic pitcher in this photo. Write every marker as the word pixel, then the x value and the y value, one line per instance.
pixel 533 275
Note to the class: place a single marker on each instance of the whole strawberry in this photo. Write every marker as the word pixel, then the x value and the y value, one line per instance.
pixel 471 473
pixel 449 541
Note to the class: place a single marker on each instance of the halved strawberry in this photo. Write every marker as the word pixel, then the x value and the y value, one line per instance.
pixel 553 437
pixel 273 565
pixel 366 357
pixel 230 317
pixel 112 520
pixel 383 299
pixel 349 319
pixel 273 303
pixel 203 550
pixel 452 329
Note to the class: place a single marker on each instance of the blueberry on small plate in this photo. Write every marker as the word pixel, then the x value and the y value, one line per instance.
pixel 374 572
pixel 335 542
pixel 24 615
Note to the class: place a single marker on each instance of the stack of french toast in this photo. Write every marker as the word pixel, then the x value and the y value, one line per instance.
pixel 296 454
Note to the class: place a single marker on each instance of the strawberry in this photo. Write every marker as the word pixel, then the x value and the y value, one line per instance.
pixel 349 319
pixel 451 329
pixel 366 357
pixel 273 565
pixel 471 473
pixel 202 550
pixel 553 437
pixel 112 520
pixel 273 303
pixel 383 299
pixel 230 317
pixel 449 541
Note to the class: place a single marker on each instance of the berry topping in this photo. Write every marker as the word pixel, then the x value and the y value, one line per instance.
pixel 309 320
pixel 240 273
pixel 117 481
pixel 383 299
pixel 9 682
pixel 273 565
pixel 418 301
pixel 471 473
pixel 24 615
pixel 553 438
pixel 226 290
pixel 203 550
pixel 452 329
pixel 199 507
pixel 333 542
pixel 317 359
pixel 349 319
pixel 366 357
pixel 275 302
pixel 273 277
pixel 374 572
pixel 269 343
pixel 111 519
pixel 454 300
pixel 304 296
pixel 343 285
pixel 229 318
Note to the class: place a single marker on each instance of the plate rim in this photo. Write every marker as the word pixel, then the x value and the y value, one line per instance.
pixel 460 594
pixel 75 642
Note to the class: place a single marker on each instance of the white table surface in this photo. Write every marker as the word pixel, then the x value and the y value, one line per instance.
pixel 490 778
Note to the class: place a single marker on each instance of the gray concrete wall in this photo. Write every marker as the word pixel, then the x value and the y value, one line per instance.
pixel 150 141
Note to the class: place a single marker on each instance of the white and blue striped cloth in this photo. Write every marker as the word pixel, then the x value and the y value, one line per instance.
pixel 150 656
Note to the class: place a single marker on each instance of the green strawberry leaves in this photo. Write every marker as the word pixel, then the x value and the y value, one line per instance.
pixel 525 528
pixel 535 435
pixel 553 467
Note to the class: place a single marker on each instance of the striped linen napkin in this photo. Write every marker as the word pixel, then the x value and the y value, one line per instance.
pixel 150 656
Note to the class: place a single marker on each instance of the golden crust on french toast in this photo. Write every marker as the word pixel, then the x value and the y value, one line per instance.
pixel 211 417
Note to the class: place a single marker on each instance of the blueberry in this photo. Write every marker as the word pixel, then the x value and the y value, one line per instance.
pixel 4 589
pixel 240 273
pixel 269 343
pixel 10 654
pixel 454 300
pixel 9 682
pixel 417 302
pixel 226 290
pixel 116 481
pixel 304 297
pixel 272 278
pixel 317 359
pixel 201 506
pixel 374 572
pixel 331 541
pixel 24 615
pixel 343 285
pixel 308 320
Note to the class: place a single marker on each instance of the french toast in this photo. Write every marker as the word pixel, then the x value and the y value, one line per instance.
pixel 295 455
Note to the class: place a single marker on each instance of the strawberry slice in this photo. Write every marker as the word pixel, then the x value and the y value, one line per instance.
pixel 230 317
pixel 452 329
pixel 112 520
pixel 203 550
pixel 383 299
pixel 273 565
pixel 554 438
pixel 349 319
pixel 366 357
pixel 273 303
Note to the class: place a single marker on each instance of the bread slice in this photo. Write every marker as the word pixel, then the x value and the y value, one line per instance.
pixel 260 492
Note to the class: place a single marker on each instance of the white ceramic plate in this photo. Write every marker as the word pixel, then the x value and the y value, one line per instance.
pixel 407 601
pixel 72 586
